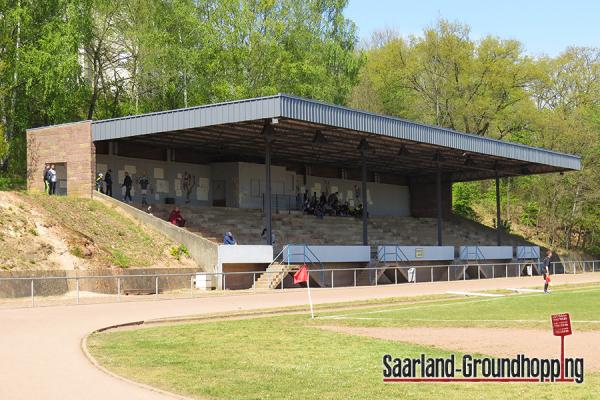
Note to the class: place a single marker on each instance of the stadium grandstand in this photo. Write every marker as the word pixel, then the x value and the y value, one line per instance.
pixel 296 179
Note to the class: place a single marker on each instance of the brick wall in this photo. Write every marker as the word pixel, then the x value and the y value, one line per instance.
pixel 70 144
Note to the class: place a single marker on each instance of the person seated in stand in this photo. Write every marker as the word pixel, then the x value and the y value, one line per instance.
pixel 228 238
pixel 322 199
pixel 344 210
pixel 176 218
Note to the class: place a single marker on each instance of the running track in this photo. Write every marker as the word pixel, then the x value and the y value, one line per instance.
pixel 41 357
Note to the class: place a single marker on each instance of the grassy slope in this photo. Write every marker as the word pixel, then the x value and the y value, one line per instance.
pixel 93 231
pixel 122 243
pixel 286 357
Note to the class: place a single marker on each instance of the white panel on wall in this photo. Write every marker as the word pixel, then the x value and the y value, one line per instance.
pixel 162 186
pixel 159 173
pixel 131 169
pixel 202 189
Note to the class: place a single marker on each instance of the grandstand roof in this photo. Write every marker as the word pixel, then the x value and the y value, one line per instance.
pixel 313 132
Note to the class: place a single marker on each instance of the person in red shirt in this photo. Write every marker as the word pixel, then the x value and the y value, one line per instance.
pixel 176 218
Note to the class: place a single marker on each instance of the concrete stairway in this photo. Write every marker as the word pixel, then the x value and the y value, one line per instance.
pixel 273 276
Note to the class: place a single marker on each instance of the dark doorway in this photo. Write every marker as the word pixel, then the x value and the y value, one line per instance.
pixel 219 194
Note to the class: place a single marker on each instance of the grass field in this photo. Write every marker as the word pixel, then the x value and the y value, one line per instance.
pixel 289 357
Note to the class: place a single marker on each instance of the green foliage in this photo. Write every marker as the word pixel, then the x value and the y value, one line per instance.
pixel 76 251
pixel 464 196
pixel 179 251
pixel 120 259
pixel 530 214
pixel 69 60
pixel 490 87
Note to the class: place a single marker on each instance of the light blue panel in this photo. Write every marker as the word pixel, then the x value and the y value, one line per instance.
pixel 299 254
pixel 415 253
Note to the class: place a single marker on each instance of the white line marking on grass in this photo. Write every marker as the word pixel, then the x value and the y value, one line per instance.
pixel 476 294
pixel 460 320
pixel 519 290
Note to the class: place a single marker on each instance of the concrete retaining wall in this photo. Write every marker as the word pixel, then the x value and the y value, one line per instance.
pixel 88 281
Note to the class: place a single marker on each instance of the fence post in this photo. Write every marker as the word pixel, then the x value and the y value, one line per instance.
pixel 332 279
pixel 254 280
pixel 431 274
pixel 354 277
pixel 478 271
pixel 376 277
pixel 118 288
pixel 156 285
pixel 77 288
pixel 594 266
pixel 32 295
pixel 396 275
pixel 224 280
pixel 574 268
pixel 282 278
pixel 506 270
pixel 493 271
pixel 464 272
pixel 448 273
pixel 554 268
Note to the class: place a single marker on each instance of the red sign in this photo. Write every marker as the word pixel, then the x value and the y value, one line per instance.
pixel 561 324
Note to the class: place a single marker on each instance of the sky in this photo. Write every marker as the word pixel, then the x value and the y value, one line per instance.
pixel 543 27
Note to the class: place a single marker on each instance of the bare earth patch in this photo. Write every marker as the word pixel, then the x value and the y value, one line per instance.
pixel 491 341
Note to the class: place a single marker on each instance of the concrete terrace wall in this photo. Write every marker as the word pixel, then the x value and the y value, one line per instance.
pixel 69 144
pixel 203 251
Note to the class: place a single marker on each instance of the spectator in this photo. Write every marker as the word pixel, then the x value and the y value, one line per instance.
pixel 46 181
pixel 322 199
pixel 263 237
pixel 144 182
pixel 546 270
pixel 127 183
pixel 176 218
pixel 228 238
pixel 99 183
pixel 52 178
pixel 108 182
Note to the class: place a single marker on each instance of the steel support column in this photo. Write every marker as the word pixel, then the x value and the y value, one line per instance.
pixel 268 135
pixel 498 217
pixel 365 216
pixel 440 220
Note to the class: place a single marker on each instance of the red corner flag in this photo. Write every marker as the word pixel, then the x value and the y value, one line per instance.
pixel 301 275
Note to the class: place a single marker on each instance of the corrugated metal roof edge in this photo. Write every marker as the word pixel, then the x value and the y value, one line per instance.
pixel 439 128
pixel 177 110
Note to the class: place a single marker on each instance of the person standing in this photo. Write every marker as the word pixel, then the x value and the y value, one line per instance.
pixel 99 183
pixel 546 270
pixel 46 181
pixel 108 182
pixel 144 182
pixel 52 178
pixel 127 184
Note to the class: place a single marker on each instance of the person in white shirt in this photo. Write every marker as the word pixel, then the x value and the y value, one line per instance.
pixel 52 178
